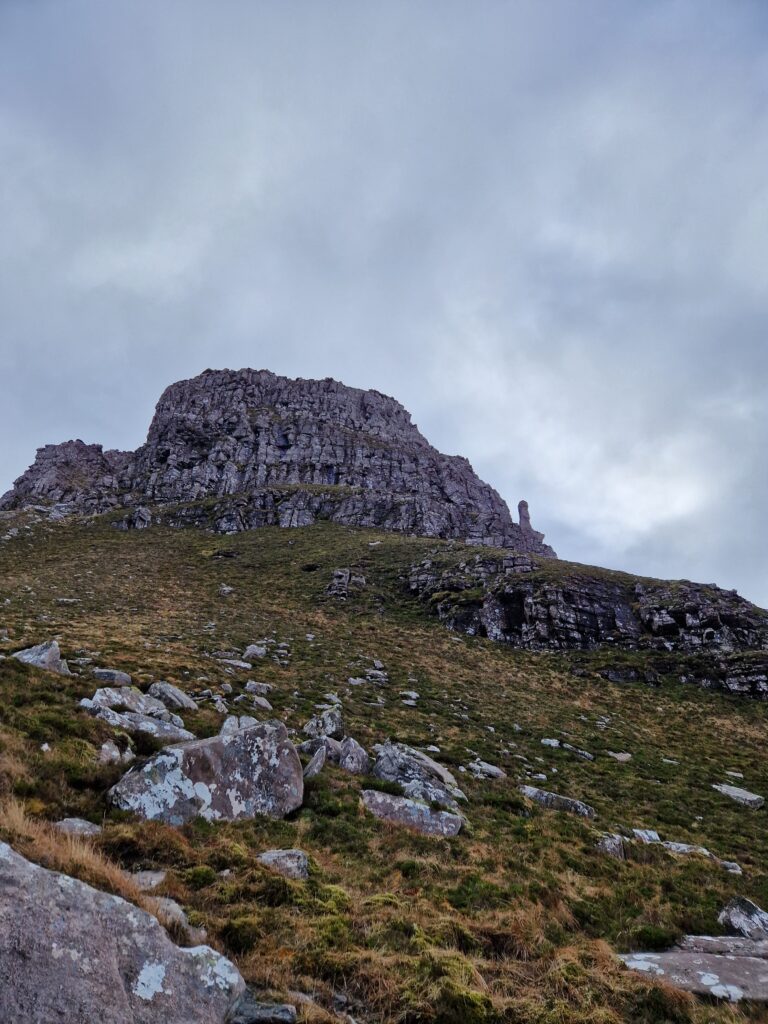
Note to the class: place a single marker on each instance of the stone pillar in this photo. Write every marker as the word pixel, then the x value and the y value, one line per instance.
pixel 524 516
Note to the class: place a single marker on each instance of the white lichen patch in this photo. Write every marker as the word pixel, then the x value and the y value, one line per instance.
pixel 150 980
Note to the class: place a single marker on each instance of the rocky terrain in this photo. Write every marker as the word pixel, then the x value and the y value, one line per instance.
pixel 341 774
pixel 246 449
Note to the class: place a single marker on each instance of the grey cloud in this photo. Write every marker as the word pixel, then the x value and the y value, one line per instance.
pixel 543 227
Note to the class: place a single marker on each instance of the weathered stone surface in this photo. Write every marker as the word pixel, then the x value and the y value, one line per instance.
pixel 289 863
pixel 172 697
pixel 555 802
pixel 353 757
pixel 71 953
pixel 112 676
pixel 250 772
pixel 46 656
pixel 741 796
pixel 329 722
pixel 412 813
pixel 232 723
pixel 276 451
pixel 726 945
pixel 344 583
pixel 731 978
pixel 129 698
pixel 743 917
pixel 77 827
pixel 420 777
pixel 110 753
pixel 316 763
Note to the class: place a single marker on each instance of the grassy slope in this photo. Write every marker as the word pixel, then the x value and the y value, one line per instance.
pixel 507 922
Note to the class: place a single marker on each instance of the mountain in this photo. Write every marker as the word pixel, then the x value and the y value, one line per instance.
pixel 244 449
pixel 360 776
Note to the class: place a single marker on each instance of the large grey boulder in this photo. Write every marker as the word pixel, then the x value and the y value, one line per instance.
pixel 242 774
pixel 130 698
pixel 316 763
pixel 555 802
pixel 172 697
pixel 420 776
pixel 70 953
pixel 46 656
pixel 411 813
pixel 743 917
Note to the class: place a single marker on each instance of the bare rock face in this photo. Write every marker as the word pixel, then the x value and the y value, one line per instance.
pixel 420 777
pixel 71 953
pixel 276 451
pixel 240 774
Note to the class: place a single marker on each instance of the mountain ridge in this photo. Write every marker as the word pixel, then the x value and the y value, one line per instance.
pixel 245 437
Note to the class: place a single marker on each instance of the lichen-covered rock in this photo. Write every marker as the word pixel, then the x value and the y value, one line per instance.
pixel 133 722
pixel 242 774
pixel 555 802
pixel 71 953
pixel 288 863
pixel 112 676
pixel 415 814
pixel 743 917
pixel 46 656
pixel 611 844
pixel 419 775
pixel 732 977
pixel 280 452
pixel 316 763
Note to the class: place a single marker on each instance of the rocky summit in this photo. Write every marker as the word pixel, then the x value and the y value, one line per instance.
pixel 357 772
pixel 243 449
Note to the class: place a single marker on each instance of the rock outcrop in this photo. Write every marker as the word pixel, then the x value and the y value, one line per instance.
pixel 243 449
pixel 71 953
pixel 517 599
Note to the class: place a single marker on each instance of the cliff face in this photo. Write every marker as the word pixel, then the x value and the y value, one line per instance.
pixel 266 450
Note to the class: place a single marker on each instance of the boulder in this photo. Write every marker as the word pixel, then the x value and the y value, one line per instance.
pixel 172 697
pixel 316 764
pixel 112 676
pixel 130 698
pixel 243 774
pixel 353 757
pixel 741 796
pixel 420 777
pixel 171 914
pixel 254 651
pixel 46 656
pixel 743 917
pixel 110 753
pixel 555 802
pixel 233 723
pixel 413 814
pixel 71 953
pixel 77 827
pixel 288 863
pixel 328 723
pixel 149 880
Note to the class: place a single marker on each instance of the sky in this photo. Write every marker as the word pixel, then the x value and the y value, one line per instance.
pixel 543 227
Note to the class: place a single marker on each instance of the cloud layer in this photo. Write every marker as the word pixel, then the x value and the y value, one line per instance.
pixel 543 227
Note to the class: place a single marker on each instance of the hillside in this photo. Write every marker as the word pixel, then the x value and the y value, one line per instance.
pixel 519 917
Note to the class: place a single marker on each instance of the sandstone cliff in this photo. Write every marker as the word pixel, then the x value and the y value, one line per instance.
pixel 242 449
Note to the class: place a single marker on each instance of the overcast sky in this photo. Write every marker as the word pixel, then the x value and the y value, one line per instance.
pixel 542 226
